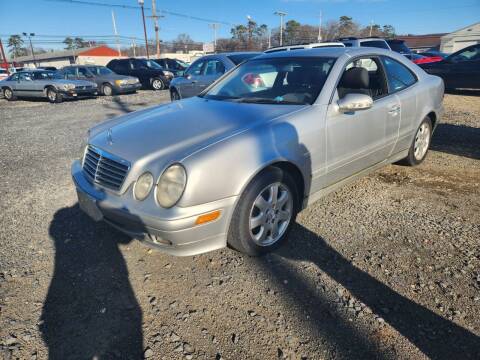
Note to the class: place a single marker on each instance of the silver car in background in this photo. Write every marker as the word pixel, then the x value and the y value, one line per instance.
pixel 45 84
pixel 205 71
pixel 236 164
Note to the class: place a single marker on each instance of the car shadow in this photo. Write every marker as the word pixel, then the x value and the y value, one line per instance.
pixel 90 311
pixel 458 140
pixel 121 107
pixel 463 92
pixel 433 335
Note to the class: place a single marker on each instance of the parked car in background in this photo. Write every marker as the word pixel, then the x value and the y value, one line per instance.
pixel 150 74
pixel 400 47
pixel 236 164
pixel 51 68
pixel 459 70
pixel 3 74
pixel 365 42
pixel 175 66
pixel 305 46
pixel 422 59
pixel 205 71
pixel 45 84
pixel 433 53
pixel 107 81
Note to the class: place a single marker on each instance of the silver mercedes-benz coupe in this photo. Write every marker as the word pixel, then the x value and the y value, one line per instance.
pixel 234 165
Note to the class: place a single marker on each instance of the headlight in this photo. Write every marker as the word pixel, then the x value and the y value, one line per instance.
pixel 142 187
pixel 170 185
pixel 167 73
pixel 68 86
pixel 121 82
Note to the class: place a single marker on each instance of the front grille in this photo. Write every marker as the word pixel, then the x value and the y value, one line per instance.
pixel 104 169
pixel 83 87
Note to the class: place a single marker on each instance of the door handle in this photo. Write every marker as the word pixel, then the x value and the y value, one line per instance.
pixel 394 109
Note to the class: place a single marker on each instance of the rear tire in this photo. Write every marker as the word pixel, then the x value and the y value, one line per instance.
pixel 8 94
pixel 107 90
pixel 54 96
pixel 263 217
pixel 174 95
pixel 158 84
pixel 420 144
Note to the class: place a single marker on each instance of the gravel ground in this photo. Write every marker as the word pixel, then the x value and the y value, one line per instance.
pixel 388 267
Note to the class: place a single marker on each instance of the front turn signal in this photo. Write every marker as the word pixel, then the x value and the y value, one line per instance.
pixel 205 218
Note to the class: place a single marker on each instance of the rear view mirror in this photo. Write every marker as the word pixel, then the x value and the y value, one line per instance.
pixel 355 102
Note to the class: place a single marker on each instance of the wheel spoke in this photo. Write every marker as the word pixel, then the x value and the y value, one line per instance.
pixel 273 194
pixel 257 221
pixel 282 200
pixel 261 203
pixel 284 215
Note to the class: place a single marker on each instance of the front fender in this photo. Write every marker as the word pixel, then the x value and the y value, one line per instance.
pixel 225 168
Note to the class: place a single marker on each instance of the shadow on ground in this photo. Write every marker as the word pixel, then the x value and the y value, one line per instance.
pixel 121 107
pixel 458 140
pixel 90 311
pixel 435 336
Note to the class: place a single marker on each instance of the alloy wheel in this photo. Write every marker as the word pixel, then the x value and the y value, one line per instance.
pixel 8 94
pixel 157 84
pixel 422 141
pixel 52 95
pixel 271 214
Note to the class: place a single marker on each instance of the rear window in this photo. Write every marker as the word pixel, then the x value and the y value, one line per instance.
pixel 238 58
pixel 375 43
pixel 399 46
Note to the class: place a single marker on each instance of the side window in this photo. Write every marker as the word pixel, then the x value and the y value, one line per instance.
pixel 472 53
pixel 121 66
pixel 363 76
pixel 137 64
pixel 25 76
pixel 69 73
pixel 399 76
pixel 214 67
pixel 82 72
pixel 195 68
pixel 14 77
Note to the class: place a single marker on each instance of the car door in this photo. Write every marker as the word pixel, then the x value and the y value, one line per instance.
pixel 25 84
pixel 401 84
pixel 214 68
pixel 464 68
pixel 357 140
pixel 187 85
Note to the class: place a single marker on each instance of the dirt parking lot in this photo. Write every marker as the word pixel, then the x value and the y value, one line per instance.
pixel 388 267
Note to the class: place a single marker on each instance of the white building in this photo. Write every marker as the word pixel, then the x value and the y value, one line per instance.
pixel 460 39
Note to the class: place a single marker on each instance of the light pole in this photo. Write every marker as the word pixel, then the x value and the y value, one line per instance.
pixel 281 14
pixel 141 2
pixel 29 35
pixel 215 27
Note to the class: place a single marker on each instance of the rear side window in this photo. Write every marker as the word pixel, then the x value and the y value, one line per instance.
pixel 214 67
pixel 375 43
pixel 399 76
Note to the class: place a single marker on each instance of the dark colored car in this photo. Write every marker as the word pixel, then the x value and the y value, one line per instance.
pixel 51 68
pixel 150 74
pixel 107 81
pixel 176 66
pixel 400 47
pixel 434 53
pixel 459 70
pixel 205 71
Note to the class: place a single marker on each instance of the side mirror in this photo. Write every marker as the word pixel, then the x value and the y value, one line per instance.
pixel 355 102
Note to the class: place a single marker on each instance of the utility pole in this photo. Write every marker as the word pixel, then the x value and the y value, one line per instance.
pixel 134 47
pixel 371 25
pixel 29 35
pixel 281 14
pixel 157 28
pixel 116 34
pixel 5 62
pixel 320 29
pixel 269 38
pixel 215 27
pixel 141 3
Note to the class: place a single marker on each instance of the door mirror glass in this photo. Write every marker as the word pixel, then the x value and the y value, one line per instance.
pixel 355 102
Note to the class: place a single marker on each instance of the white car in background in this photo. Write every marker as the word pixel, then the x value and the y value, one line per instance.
pixel 3 74
pixel 305 46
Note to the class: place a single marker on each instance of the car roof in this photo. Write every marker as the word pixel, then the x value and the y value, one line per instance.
pixel 334 52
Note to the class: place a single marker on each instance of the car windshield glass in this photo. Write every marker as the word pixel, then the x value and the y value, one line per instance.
pixel 45 75
pixel 375 43
pixel 287 81
pixel 399 46
pixel 238 58
pixel 182 63
pixel 100 70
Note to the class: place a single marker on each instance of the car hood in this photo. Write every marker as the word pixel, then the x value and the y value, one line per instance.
pixel 176 130
pixel 75 82
pixel 113 77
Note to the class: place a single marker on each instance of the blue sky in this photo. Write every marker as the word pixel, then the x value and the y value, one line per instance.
pixel 49 17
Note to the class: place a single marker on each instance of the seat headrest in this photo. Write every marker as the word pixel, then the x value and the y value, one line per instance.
pixel 355 78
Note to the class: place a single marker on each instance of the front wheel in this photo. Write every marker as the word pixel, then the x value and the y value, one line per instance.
pixel 420 144
pixel 8 94
pixel 265 213
pixel 107 90
pixel 157 84
pixel 54 96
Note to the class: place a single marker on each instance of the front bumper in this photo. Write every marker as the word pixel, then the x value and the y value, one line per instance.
pixel 127 88
pixel 77 93
pixel 174 232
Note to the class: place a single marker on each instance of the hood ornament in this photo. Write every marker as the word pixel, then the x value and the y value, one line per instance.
pixel 109 137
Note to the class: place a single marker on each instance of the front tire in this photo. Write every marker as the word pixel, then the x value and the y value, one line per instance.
pixel 8 94
pixel 107 90
pixel 158 84
pixel 420 144
pixel 54 96
pixel 264 214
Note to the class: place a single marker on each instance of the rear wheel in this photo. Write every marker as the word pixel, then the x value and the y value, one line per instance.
pixel 54 96
pixel 8 94
pixel 420 144
pixel 265 213
pixel 157 84
pixel 174 95
pixel 107 90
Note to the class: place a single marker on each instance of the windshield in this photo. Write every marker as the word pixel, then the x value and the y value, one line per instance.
pixel 44 75
pixel 100 70
pixel 289 80
pixel 152 64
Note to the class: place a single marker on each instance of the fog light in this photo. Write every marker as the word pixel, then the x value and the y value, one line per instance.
pixel 142 187
pixel 205 218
